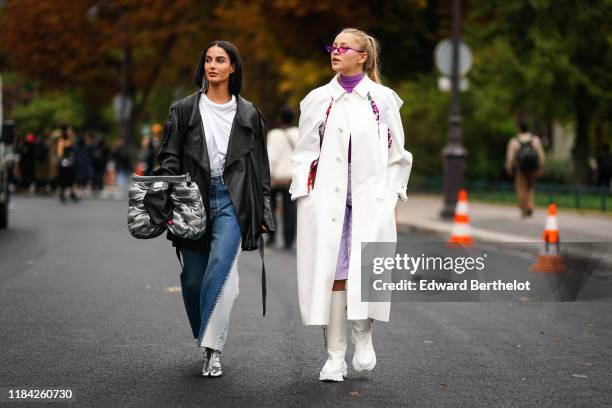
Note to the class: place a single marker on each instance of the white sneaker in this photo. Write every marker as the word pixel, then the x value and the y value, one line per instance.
pixel 364 358
pixel 335 340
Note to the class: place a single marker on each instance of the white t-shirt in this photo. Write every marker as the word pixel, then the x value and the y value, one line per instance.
pixel 217 120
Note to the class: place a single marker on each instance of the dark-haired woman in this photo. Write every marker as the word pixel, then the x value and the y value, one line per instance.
pixel 219 139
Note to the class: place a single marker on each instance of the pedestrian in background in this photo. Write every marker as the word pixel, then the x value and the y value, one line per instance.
pixel 27 161
pixel 65 164
pixel 99 160
pixel 604 166
pixel 152 148
pixel 42 164
pixel 219 138
pixel 122 164
pixel 82 163
pixel 349 167
pixel 281 142
pixel 56 135
pixel 524 161
pixel 144 157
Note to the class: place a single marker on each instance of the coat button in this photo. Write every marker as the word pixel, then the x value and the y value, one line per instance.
pixel 337 190
pixel 338 159
pixel 334 219
pixel 340 129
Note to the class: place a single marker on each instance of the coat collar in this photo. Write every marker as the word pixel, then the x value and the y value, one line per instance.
pixel 362 89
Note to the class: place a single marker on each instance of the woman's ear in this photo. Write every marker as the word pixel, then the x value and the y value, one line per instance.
pixel 232 68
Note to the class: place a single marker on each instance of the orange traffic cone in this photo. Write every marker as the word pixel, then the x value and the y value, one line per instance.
pixel 460 233
pixel 549 259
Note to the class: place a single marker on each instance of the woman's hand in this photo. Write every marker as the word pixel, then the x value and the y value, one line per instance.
pixel 263 228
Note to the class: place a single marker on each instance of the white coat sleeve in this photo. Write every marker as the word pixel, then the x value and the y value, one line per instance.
pixel 400 160
pixel 307 148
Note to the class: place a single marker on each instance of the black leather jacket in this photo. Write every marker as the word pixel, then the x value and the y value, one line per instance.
pixel 246 173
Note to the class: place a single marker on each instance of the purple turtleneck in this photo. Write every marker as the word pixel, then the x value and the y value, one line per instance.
pixel 348 83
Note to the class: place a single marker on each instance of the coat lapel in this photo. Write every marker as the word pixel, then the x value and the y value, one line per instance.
pixel 196 142
pixel 241 140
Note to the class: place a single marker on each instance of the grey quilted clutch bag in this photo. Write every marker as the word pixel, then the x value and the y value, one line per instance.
pixel 188 219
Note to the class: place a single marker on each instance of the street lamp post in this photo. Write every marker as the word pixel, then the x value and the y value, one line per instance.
pixel 454 153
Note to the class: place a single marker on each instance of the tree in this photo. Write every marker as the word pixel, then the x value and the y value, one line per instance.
pixel 553 58
pixel 105 46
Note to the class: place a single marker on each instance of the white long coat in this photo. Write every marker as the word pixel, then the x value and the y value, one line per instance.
pixel 380 171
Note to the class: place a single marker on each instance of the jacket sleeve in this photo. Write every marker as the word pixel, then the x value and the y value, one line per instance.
pixel 171 150
pixel 307 148
pixel 399 164
pixel 157 203
pixel 264 171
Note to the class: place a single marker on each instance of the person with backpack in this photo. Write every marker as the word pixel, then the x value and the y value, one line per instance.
pixel 524 161
pixel 604 166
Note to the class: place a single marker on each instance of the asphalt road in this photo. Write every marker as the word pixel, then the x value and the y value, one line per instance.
pixel 85 306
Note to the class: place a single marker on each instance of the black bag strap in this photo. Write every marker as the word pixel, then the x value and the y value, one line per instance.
pixel 260 247
pixel 178 255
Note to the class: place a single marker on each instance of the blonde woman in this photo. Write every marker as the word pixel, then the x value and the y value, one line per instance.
pixel 348 168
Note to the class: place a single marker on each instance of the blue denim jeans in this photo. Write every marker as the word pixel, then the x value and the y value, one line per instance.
pixel 209 279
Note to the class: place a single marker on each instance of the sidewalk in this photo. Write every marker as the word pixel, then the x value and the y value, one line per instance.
pixel 502 223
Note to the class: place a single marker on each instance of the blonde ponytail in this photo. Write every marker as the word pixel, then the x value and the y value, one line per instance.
pixel 371 47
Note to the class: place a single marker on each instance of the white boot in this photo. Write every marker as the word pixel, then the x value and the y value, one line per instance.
pixel 335 340
pixel 364 357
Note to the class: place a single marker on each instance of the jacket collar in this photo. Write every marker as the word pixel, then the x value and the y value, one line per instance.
pixel 242 112
pixel 362 89
pixel 240 141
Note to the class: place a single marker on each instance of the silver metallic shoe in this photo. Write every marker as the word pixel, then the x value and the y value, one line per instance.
pixel 215 364
pixel 206 365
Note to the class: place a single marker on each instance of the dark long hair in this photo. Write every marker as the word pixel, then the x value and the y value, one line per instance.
pixel 235 79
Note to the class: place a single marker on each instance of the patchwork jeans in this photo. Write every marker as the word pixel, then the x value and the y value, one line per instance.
pixel 209 279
